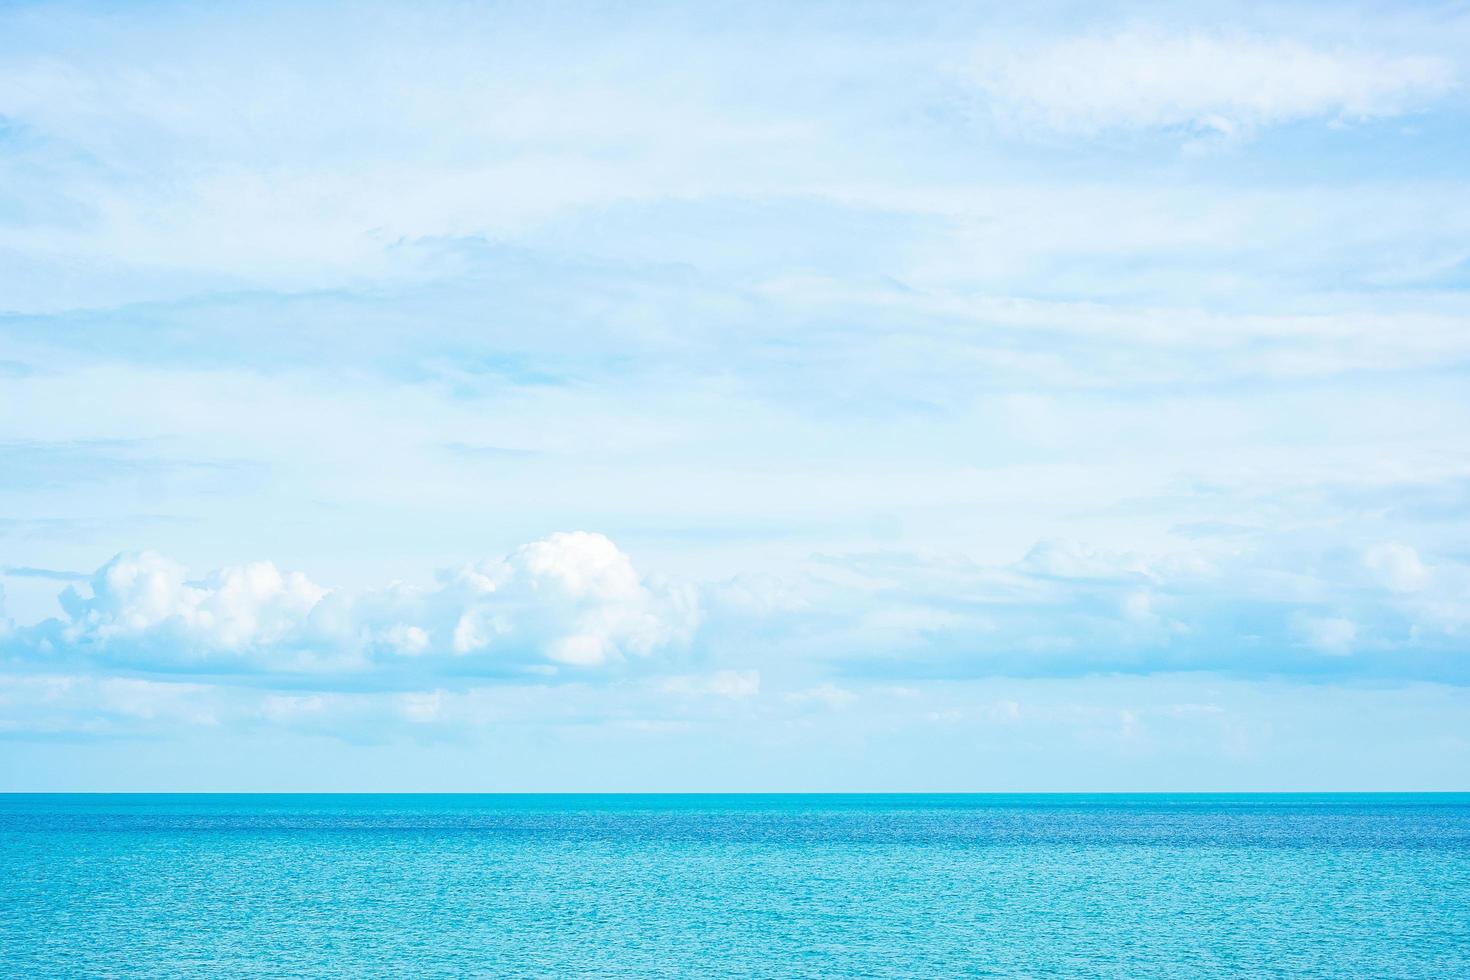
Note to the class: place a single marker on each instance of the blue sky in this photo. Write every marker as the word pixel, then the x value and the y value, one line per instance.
pixel 910 396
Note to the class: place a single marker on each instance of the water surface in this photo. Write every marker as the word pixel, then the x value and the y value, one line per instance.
pixel 711 886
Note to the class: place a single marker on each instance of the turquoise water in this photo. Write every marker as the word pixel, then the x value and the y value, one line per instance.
pixel 710 886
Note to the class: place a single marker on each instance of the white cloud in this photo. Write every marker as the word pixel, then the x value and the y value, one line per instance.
pixel 578 594
pixel 575 601
pixel 232 608
pixel 571 598
pixel 1221 83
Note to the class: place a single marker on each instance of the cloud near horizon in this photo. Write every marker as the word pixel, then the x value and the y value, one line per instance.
pixel 570 599
pixel 574 602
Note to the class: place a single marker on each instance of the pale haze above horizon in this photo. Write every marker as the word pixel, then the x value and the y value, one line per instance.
pixel 912 396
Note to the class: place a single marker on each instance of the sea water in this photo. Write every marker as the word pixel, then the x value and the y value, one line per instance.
pixel 715 886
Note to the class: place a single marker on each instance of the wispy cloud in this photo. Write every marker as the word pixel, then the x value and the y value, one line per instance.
pixel 52 574
pixel 1229 84
pixel 721 683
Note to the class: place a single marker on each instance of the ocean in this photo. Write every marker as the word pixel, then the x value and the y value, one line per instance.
pixel 1126 886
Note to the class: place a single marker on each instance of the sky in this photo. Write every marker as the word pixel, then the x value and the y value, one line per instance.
pixel 703 396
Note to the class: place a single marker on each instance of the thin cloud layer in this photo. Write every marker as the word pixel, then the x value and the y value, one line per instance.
pixel 1220 83
pixel 1248 606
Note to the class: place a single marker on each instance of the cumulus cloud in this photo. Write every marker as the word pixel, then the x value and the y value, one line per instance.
pixel 577 593
pixel 570 598
pixel 1212 83
pixel 233 608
